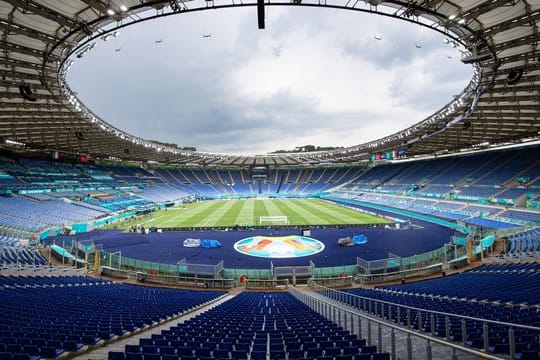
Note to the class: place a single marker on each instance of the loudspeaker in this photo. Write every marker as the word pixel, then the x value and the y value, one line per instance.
pixel 466 125
pixel 80 135
pixel 260 13
pixel 26 92
pixel 514 76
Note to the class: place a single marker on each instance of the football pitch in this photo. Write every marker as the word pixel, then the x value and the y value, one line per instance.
pixel 247 212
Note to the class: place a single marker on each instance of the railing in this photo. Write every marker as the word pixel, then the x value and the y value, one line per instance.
pixel 398 268
pixel 169 279
pixel 513 231
pixel 15 233
pixel 335 271
pixel 333 282
pixel 533 256
pixel 186 281
pixel 115 273
pixel 399 341
pixel 39 270
pixel 267 284
pixel 420 323
pixel 295 274
pixel 249 273
pixel 397 275
pixel 183 267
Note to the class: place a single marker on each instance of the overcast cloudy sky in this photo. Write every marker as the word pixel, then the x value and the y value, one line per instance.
pixel 314 76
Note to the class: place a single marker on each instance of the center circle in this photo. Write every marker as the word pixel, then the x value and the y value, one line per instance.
pixel 279 247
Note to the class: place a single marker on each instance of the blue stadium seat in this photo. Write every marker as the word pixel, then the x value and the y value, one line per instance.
pixel 296 332
pixel 82 323
pixel 116 355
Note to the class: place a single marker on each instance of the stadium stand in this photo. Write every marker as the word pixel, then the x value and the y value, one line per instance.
pixel 524 243
pixel 255 326
pixel 497 191
pixel 240 182
pixel 477 177
pixel 80 311
pixel 20 256
pixel 503 293
pixel 162 193
pixel 39 194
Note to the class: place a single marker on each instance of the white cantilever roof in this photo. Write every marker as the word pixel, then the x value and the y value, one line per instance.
pixel 39 38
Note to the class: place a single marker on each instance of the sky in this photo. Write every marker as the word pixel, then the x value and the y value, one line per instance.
pixel 321 77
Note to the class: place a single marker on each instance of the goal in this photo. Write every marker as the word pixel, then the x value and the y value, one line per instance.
pixel 274 220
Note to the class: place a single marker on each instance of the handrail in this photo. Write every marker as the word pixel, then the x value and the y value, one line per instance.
pixel 374 304
pixel 169 279
pixel 316 304
pixel 526 327
pixel 399 275
pixel 266 284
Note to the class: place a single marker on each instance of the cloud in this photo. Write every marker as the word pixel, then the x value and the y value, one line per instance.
pixel 314 76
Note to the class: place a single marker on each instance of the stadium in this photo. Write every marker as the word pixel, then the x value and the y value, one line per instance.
pixel 421 244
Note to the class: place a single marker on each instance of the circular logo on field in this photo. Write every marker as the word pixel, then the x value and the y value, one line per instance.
pixel 279 246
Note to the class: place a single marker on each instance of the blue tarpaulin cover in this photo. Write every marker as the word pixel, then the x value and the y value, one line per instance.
pixel 210 243
pixel 359 239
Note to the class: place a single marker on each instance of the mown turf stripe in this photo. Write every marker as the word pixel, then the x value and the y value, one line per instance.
pixel 302 216
pixel 173 218
pixel 260 210
pixel 295 217
pixel 328 215
pixel 198 213
pixel 219 216
pixel 274 210
pixel 231 213
pixel 246 214
pixel 352 214
pixel 338 215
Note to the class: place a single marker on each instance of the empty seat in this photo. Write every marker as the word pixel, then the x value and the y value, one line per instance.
pixel 258 355
pixel 116 355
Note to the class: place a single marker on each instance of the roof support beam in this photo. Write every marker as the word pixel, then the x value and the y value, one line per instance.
pixel 41 10
pixel 12 28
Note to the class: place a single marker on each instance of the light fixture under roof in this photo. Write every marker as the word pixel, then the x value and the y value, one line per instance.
pixel 110 12
pixel 123 8
pixel 452 17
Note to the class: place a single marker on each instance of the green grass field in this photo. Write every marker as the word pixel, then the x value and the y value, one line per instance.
pixel 247 212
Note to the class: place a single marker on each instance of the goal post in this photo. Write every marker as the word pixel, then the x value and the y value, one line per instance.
pixel 274 220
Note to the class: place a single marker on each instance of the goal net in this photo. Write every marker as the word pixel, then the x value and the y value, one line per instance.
pixel 274 220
